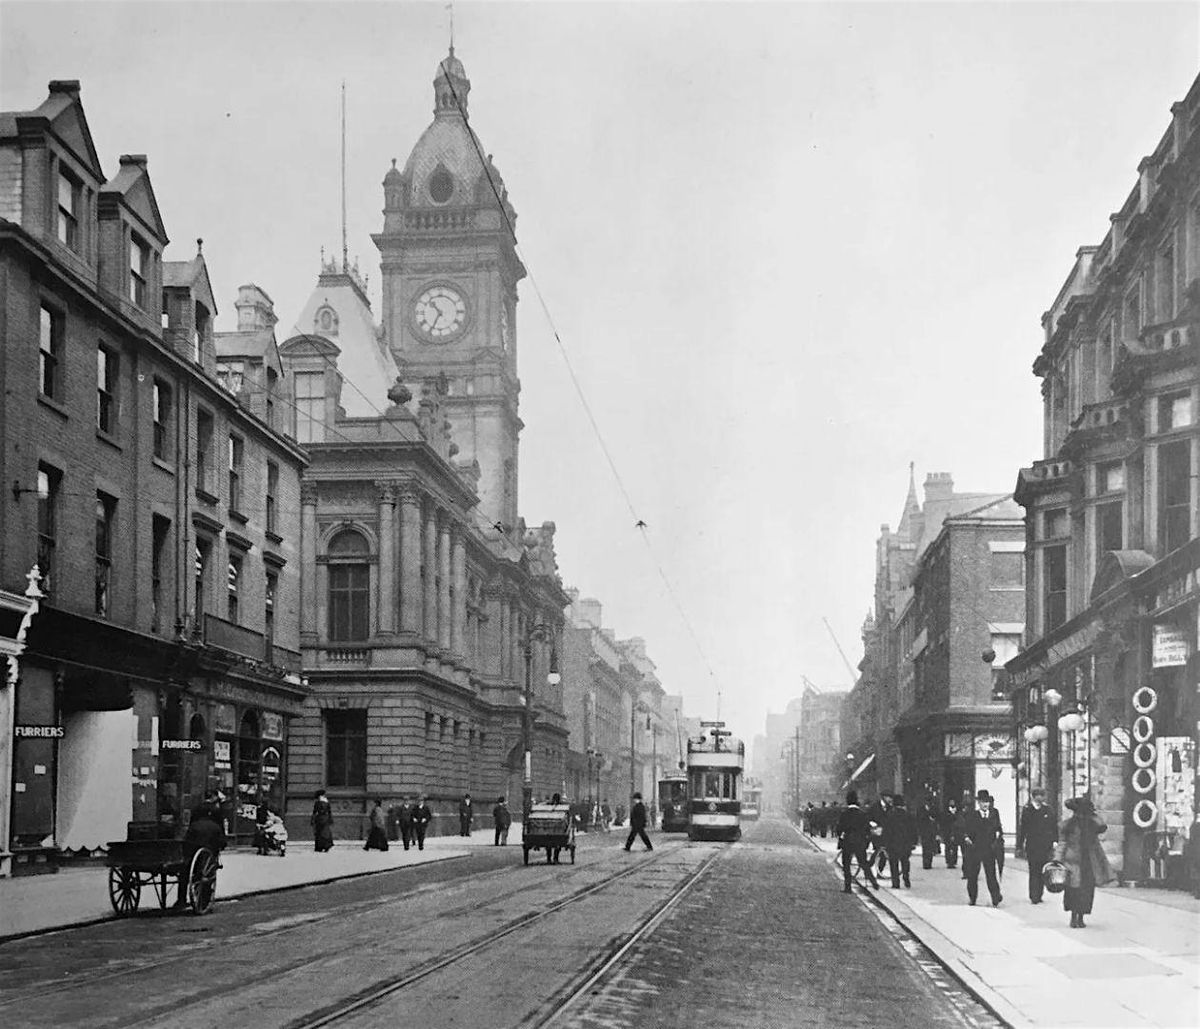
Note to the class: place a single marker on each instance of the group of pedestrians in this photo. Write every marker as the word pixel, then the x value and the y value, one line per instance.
pixel 411 820
pixel 885 834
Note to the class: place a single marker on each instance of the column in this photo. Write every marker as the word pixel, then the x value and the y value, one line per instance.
pixel 385 496
pixel 411 600
pixel 443 599
pixel 502 647
pixel 430 562
pixel 458 614
pixel 308 561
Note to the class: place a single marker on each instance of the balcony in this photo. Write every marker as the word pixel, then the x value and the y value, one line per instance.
pixel 346 657
pixel 1042 477
pixel 438 221
pixel 1096 423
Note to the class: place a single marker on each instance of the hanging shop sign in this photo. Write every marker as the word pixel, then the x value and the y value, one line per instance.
pixel 224 719
pixel 39 732
pixel 272 726
pixel 1170 647
pixel 1119 740
pixel 221 758
pixel 270 763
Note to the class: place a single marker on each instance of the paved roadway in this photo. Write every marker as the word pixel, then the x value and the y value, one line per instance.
pixel 759 936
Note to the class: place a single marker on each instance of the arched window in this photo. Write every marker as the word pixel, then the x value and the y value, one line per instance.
pixel 349 587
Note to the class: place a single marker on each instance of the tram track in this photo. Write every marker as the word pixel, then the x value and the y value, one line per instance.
pixel 545 1015
pixel 177 1011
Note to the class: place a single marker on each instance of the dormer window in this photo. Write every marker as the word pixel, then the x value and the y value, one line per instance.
pixel 69 197
pixel 139 265
pixel 327 321
pixel 231 375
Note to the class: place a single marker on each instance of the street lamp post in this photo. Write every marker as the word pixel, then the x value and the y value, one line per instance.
pixel 539 632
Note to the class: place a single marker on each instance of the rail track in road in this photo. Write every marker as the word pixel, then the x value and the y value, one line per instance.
pixel 551 1010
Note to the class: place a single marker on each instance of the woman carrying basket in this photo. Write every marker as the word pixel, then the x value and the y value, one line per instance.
pixel 1087 866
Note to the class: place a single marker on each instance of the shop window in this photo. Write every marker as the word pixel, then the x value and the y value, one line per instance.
pixel 1174 495
pixel 1054 587
pixel 50 344
pixel 49 488
pixel 346 748
pixel 162 421
pixel 106 389
pixel 160 534
pixel 349 588
pixel 106 512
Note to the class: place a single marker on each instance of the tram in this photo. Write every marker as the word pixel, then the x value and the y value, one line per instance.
pixel 673 801
pixel 714 767
pixel 751 800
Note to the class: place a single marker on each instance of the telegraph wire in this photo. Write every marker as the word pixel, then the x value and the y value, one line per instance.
pixel 587 408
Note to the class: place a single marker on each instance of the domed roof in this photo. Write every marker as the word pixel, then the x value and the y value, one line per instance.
pixel 444 168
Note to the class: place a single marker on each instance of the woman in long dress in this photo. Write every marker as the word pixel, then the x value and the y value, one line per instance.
pixel 377 837
pixel 1080 850
pixel 322 823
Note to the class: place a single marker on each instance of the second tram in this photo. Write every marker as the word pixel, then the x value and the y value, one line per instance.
pixel 673 801
pixel 714 767
pixel 751 800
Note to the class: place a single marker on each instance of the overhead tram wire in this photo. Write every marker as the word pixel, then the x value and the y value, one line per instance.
pixel 587 408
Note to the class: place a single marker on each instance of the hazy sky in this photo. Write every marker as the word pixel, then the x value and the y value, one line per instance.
pixel 789 248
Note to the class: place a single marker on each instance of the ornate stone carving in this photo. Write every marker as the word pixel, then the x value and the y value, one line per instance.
pixel 308 494
pixel 399 394
pixel 538 546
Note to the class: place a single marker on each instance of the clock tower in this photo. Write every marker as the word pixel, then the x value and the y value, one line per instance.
pixel 450 274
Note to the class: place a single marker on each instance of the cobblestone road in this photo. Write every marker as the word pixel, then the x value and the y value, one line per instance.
pixel 763 938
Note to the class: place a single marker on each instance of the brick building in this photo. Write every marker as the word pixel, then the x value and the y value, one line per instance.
pixel 427 602
pixel 140 488
pixel 949 590
pixel 1104 694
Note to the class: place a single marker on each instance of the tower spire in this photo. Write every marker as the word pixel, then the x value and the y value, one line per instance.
pixel 344 247
pixel 450 8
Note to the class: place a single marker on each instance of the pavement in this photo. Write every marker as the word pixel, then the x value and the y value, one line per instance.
pixel 79 896
pixel 1136 964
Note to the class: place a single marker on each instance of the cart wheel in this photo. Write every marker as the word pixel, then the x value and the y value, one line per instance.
pixel 572 855
pixel 202 881
pixel 124 890
pixel 526 850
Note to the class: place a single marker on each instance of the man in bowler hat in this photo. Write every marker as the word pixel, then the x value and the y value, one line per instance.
pixel 982 836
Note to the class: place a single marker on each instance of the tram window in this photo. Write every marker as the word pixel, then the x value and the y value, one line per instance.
pixel 712 784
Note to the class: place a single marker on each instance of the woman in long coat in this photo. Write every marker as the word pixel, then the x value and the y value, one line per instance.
pixel 322 823
pixel 1087 866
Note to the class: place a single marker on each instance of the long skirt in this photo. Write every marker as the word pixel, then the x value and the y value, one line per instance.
pixel 1078 899
pixel 323 838
pixel 376 839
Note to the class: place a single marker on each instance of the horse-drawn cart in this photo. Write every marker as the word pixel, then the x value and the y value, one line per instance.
pixel 161 864
pixel 549 827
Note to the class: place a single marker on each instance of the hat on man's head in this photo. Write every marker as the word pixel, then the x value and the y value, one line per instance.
pixel 983 795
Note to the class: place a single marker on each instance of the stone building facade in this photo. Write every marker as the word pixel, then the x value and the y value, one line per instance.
pixel 428 605
pixel 164 657
pixel 1105 692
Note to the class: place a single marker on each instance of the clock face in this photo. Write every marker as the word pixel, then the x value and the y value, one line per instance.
pixel 440 313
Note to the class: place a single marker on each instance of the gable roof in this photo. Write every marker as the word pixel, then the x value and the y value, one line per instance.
pixel 191 275
pixel 132 184
pixel 63 113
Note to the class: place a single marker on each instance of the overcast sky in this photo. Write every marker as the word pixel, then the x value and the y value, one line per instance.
pixel 789 248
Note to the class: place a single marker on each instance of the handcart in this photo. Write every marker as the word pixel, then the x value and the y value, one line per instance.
pixel 160 864
pixel 549 827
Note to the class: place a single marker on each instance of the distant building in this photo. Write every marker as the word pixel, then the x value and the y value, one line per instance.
pixel 948 589
pixel 1109 670
pixel 160 507
pixel 820 759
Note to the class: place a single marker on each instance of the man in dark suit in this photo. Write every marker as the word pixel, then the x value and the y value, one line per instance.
pixel 637 823
pixel 465 814
pixel 404 822
pixel 1036 835
pixel 421 817
pixel 853 831
pixel 982 835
